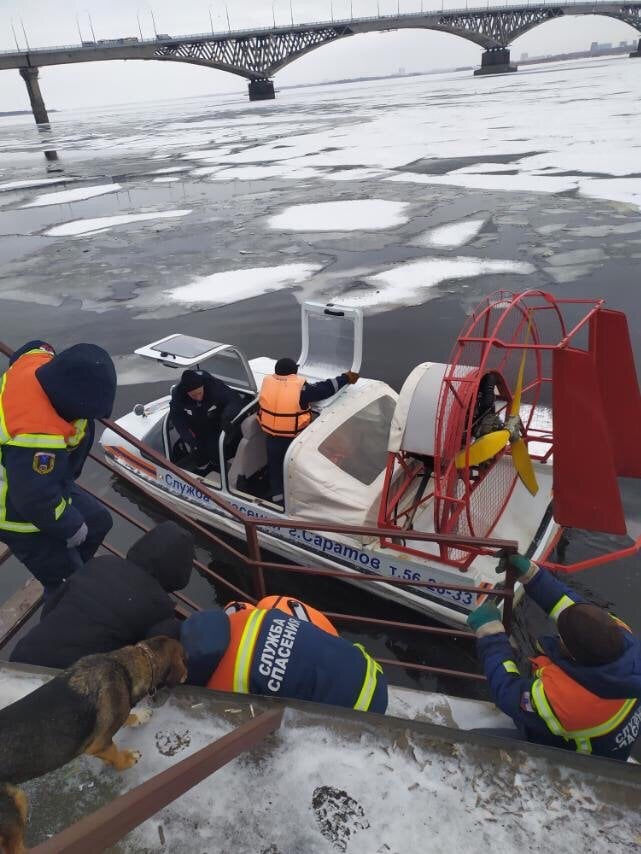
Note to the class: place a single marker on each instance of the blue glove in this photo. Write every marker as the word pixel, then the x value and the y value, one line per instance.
pixel 485 613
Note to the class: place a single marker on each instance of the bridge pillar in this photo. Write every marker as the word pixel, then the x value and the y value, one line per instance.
pixel 30 77
pixel 637 52
pixel 495 60
pixel 261 90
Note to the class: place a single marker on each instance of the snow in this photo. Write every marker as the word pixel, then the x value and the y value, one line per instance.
pixel 236 285
pixel 93 226
pixel 451 236
pixel 413 283
pixel 351 215
pixel 167 180
pixel 76 195
pixel 506 183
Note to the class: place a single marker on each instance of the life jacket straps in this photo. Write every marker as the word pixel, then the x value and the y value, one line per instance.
pixel 368 688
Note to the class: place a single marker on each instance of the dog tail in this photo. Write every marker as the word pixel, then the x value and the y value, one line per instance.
pixel 13 819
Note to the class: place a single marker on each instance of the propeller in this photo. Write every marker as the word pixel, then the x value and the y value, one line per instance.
pixel 488 446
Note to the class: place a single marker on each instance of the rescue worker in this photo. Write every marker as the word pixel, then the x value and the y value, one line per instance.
pixel 201 406
pixel 113 602
pixel 283 412
pixel 47 403
pixel 584 693
pixel 259 651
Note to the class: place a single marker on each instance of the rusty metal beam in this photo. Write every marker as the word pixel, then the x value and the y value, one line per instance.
pixel 106 826
pixel 16 610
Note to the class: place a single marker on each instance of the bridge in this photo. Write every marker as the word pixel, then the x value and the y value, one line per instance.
pixel 259 54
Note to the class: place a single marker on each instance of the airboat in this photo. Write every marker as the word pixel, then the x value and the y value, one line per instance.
pixel 513 438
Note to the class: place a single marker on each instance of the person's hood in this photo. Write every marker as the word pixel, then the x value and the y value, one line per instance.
pixel 35 344
pixel 80 382
pixel 167 554
pixel 621 679
pixel 205 637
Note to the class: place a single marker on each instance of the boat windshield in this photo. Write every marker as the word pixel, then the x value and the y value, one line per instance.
pixel 359 446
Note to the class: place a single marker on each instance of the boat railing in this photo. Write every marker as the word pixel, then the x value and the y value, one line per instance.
pixel 257 565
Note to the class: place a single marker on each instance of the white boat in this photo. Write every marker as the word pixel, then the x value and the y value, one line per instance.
pixel 409 462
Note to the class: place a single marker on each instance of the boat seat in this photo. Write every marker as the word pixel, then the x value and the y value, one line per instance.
pixel 251 454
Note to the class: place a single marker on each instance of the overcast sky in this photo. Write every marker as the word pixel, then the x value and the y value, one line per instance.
pixel 53 22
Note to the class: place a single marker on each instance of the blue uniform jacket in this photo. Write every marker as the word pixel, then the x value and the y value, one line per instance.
pixel 315 392
pixel 511 692
pixel 316 666
pixel 80 383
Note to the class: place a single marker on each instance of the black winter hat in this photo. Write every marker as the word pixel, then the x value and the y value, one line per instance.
pixel 80 382
pixel 191 380
pixel 590 635
pixel 167 554
pixel 285 367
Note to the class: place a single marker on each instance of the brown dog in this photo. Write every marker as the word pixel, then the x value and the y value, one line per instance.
pixel 77 712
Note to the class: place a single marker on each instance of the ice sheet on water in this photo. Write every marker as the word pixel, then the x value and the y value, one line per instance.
pixel 413 283
pixel 510 183
pixel 236 285
pixel 167 180
pixel 33 184
pixel 93 226
pixel 76 195
pixel 453 235
pixel 350 215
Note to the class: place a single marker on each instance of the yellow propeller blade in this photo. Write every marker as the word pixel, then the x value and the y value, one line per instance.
pixel 515 409
pixel 523 465
pixel 483 449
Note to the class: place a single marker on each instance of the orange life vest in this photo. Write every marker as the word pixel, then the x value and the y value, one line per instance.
pixel 570 710
pixel 298 609
pixel 279 412
pixel 26 413
pixel 222 679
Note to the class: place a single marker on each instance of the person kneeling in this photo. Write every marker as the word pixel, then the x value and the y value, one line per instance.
pixel 266 651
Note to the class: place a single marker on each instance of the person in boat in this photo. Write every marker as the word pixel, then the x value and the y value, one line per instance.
pixel 201 406
pixel 585 690
pixel 113 602
pixel 283 412
pixel 266 651
pixel 47 405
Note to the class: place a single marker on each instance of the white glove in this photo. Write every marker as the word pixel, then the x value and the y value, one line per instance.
pixel 78 538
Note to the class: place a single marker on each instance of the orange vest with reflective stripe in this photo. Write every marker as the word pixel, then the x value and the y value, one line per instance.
pixel 279 412
pixel 575 707
pixel 222 679
pixel 25 406
pixel 298 609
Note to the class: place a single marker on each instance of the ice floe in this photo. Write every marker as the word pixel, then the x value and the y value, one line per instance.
pixel 350 215
pixel 33 184
pixel 236 285
pixel 93 226
pixel 76 195
pixel 167 180
pixel 521 183
pixel 453 235
pixel 413 283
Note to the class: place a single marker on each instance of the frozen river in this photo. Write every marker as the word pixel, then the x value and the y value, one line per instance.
pixel 412 198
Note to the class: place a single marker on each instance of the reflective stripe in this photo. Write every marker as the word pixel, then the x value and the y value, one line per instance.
pixel 4 434
pixel 245 652
pixel 511 667
pixel 14 527
pixel 563 603
pixel 79 435
pixel 60 509
pixel 372 670
pixel 37 441
pixel 581 737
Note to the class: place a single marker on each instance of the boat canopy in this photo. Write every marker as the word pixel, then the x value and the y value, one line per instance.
pixel 336 466
pixel 224 361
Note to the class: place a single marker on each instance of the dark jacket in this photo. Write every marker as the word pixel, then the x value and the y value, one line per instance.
pixel 315 392
pixel 512 692
pixel 317 666
pixel 80 382
pixel 218 407
pixel 112 602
